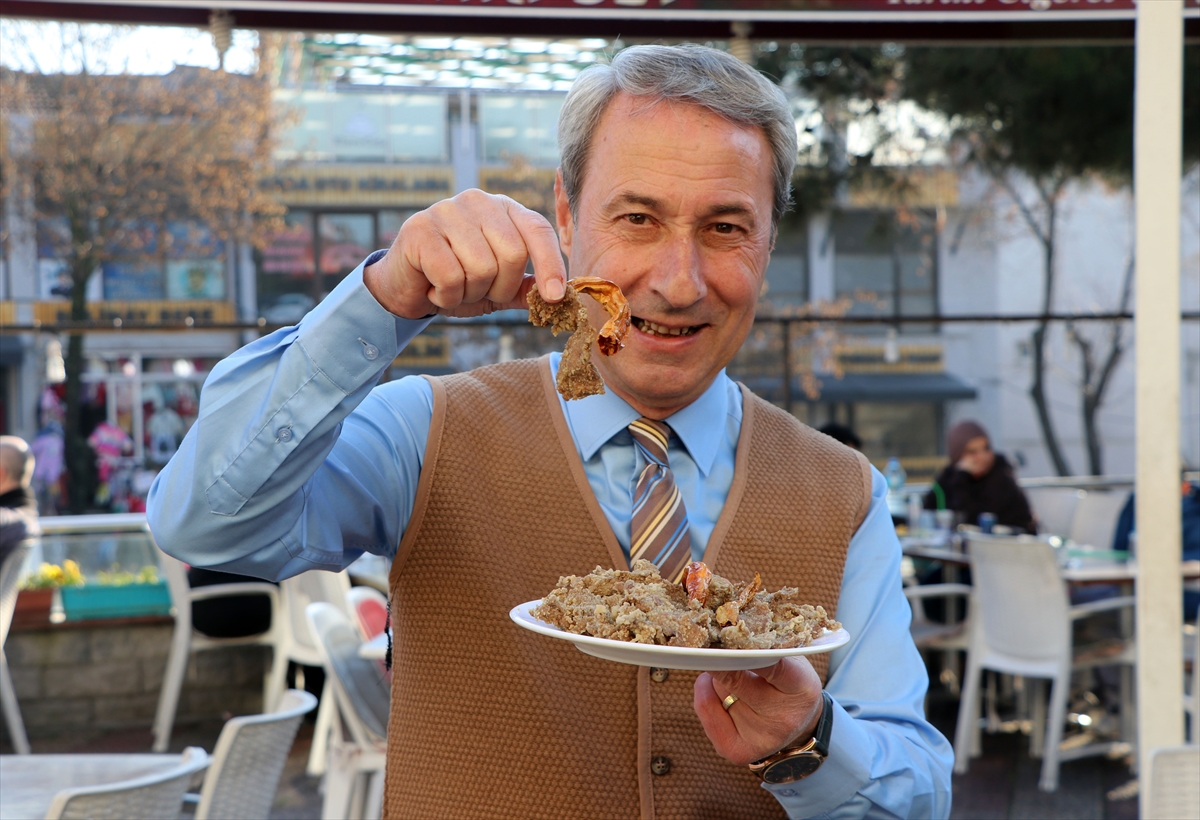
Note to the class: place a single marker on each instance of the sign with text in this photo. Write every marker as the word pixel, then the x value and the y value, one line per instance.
pixel 149 312
pixel 351 185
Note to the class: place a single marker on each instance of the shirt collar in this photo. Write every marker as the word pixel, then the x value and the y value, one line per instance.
pixel 596 419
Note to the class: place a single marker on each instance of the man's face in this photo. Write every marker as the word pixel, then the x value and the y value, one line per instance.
pixel 675 207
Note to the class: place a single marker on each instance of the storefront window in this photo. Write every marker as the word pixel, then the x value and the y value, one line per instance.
pixel 520 126
pixel 365 126
pixel 195 262
pixel 344 240
pixel 389 226
pixel 893 259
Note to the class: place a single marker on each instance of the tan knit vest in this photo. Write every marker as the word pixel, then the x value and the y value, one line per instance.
pixel 491 721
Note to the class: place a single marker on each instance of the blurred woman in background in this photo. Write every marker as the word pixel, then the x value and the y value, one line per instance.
pixel 979 480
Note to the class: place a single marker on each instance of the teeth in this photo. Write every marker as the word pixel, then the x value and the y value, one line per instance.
pixel 661 330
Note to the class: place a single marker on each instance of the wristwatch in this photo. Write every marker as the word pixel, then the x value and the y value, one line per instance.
pixel 797 763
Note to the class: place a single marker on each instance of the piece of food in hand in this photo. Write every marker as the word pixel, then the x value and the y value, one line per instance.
pixel 577 376
pixel 640 606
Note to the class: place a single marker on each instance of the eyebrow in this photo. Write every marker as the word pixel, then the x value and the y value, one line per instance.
pixel 653 204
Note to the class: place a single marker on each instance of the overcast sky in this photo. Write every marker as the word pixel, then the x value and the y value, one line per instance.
pixel 52 47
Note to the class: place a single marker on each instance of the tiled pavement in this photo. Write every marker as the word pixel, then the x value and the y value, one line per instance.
pixel 1000 784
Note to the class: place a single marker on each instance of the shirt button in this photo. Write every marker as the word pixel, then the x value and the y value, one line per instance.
pixel 283 434
pixel 660 765
pixel 659 675
pixel 370 351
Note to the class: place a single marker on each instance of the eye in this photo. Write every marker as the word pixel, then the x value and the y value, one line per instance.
pixel 724 227
pixel 636 219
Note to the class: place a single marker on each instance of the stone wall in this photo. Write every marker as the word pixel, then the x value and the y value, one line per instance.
pixel 73 677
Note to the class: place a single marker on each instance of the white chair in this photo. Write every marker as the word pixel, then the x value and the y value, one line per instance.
pixel 1095 520
pixel 296 593
pixel 248 761
pixel 1191 695
pixel 1022 625
pixel 152 797
pixel 1054 508
pixel 947 638
pixel 369 609
pixel 1174 783
pixel 10 576
pixel 187 639
pixel 358 745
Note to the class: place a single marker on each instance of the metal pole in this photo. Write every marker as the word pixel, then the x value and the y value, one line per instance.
pixel 1157 166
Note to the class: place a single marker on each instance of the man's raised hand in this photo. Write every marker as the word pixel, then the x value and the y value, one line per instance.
pixel 466 256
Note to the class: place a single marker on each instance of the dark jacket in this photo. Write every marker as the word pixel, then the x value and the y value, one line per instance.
pixel 18 519
pixel 995 492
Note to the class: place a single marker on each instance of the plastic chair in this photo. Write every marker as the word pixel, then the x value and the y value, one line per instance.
pixel 929 634
pixel 369 608
pixel 296 594
pixel 187 639
pixel 1191 695
pixel 358 745
pixel 1174 786
pixel 1022 625
pixel 10 575
pixel 248 761
pixel 1054 508
pixel 1095 520
pixel 152 797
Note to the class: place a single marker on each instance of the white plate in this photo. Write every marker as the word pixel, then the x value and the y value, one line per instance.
pixel 674 657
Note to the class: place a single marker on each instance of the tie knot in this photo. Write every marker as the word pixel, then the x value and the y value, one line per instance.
pixel 652 436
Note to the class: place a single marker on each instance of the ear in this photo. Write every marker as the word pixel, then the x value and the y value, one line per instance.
pixel 562 215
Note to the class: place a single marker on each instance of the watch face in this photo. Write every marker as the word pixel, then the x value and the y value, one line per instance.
pixel 791 769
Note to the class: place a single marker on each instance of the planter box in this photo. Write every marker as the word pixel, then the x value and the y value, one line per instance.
pixel 33 608
pixel 93 601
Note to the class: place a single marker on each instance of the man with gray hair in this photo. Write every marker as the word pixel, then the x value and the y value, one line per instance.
pixel 18 507
pixel 484 487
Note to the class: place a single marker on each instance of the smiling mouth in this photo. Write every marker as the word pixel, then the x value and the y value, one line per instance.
pixel 655 329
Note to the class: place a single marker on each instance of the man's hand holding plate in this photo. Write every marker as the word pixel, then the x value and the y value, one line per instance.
pixel 774 708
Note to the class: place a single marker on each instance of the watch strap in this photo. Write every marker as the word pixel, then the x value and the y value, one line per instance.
pixel 816 746
pixel 824 726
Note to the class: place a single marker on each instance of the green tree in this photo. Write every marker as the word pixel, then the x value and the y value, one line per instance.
pixel 1052 116
pixel 121 156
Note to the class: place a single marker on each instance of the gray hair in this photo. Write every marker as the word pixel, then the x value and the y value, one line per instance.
pixel 15 460
pixel 686 73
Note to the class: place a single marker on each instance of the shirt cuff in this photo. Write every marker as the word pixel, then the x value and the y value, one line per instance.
pixel 350 336
pixel 844 772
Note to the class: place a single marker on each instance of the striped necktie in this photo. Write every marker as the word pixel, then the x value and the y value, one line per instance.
pixel 659 532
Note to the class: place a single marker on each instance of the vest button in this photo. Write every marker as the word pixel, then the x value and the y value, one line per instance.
pixel 659 675
pixel 660 765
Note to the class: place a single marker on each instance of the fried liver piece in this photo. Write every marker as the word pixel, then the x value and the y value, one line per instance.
pixel 640 606
pixel 577 376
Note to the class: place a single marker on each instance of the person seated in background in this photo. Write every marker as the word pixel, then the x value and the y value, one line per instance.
pixel 18 507
pixel 842 433
pixel 1190 514
pixel 979 480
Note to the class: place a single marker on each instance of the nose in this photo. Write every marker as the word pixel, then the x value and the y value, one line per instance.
pixel 678 276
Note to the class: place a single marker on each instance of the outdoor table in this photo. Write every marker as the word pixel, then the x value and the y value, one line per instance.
pixel 30 782
pixel 370 571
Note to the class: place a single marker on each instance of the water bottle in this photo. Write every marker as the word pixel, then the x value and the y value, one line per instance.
pixel 895 475
pixel 915 508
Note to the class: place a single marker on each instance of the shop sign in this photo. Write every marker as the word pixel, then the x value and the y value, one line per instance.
pixel 532 187
pixel 361 185
pixel 151 312
pixel 916 188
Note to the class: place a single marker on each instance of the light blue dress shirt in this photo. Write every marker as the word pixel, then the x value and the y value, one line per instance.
pixel 299 461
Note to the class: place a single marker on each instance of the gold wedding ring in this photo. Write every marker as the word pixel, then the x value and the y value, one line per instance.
pixel 729 701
